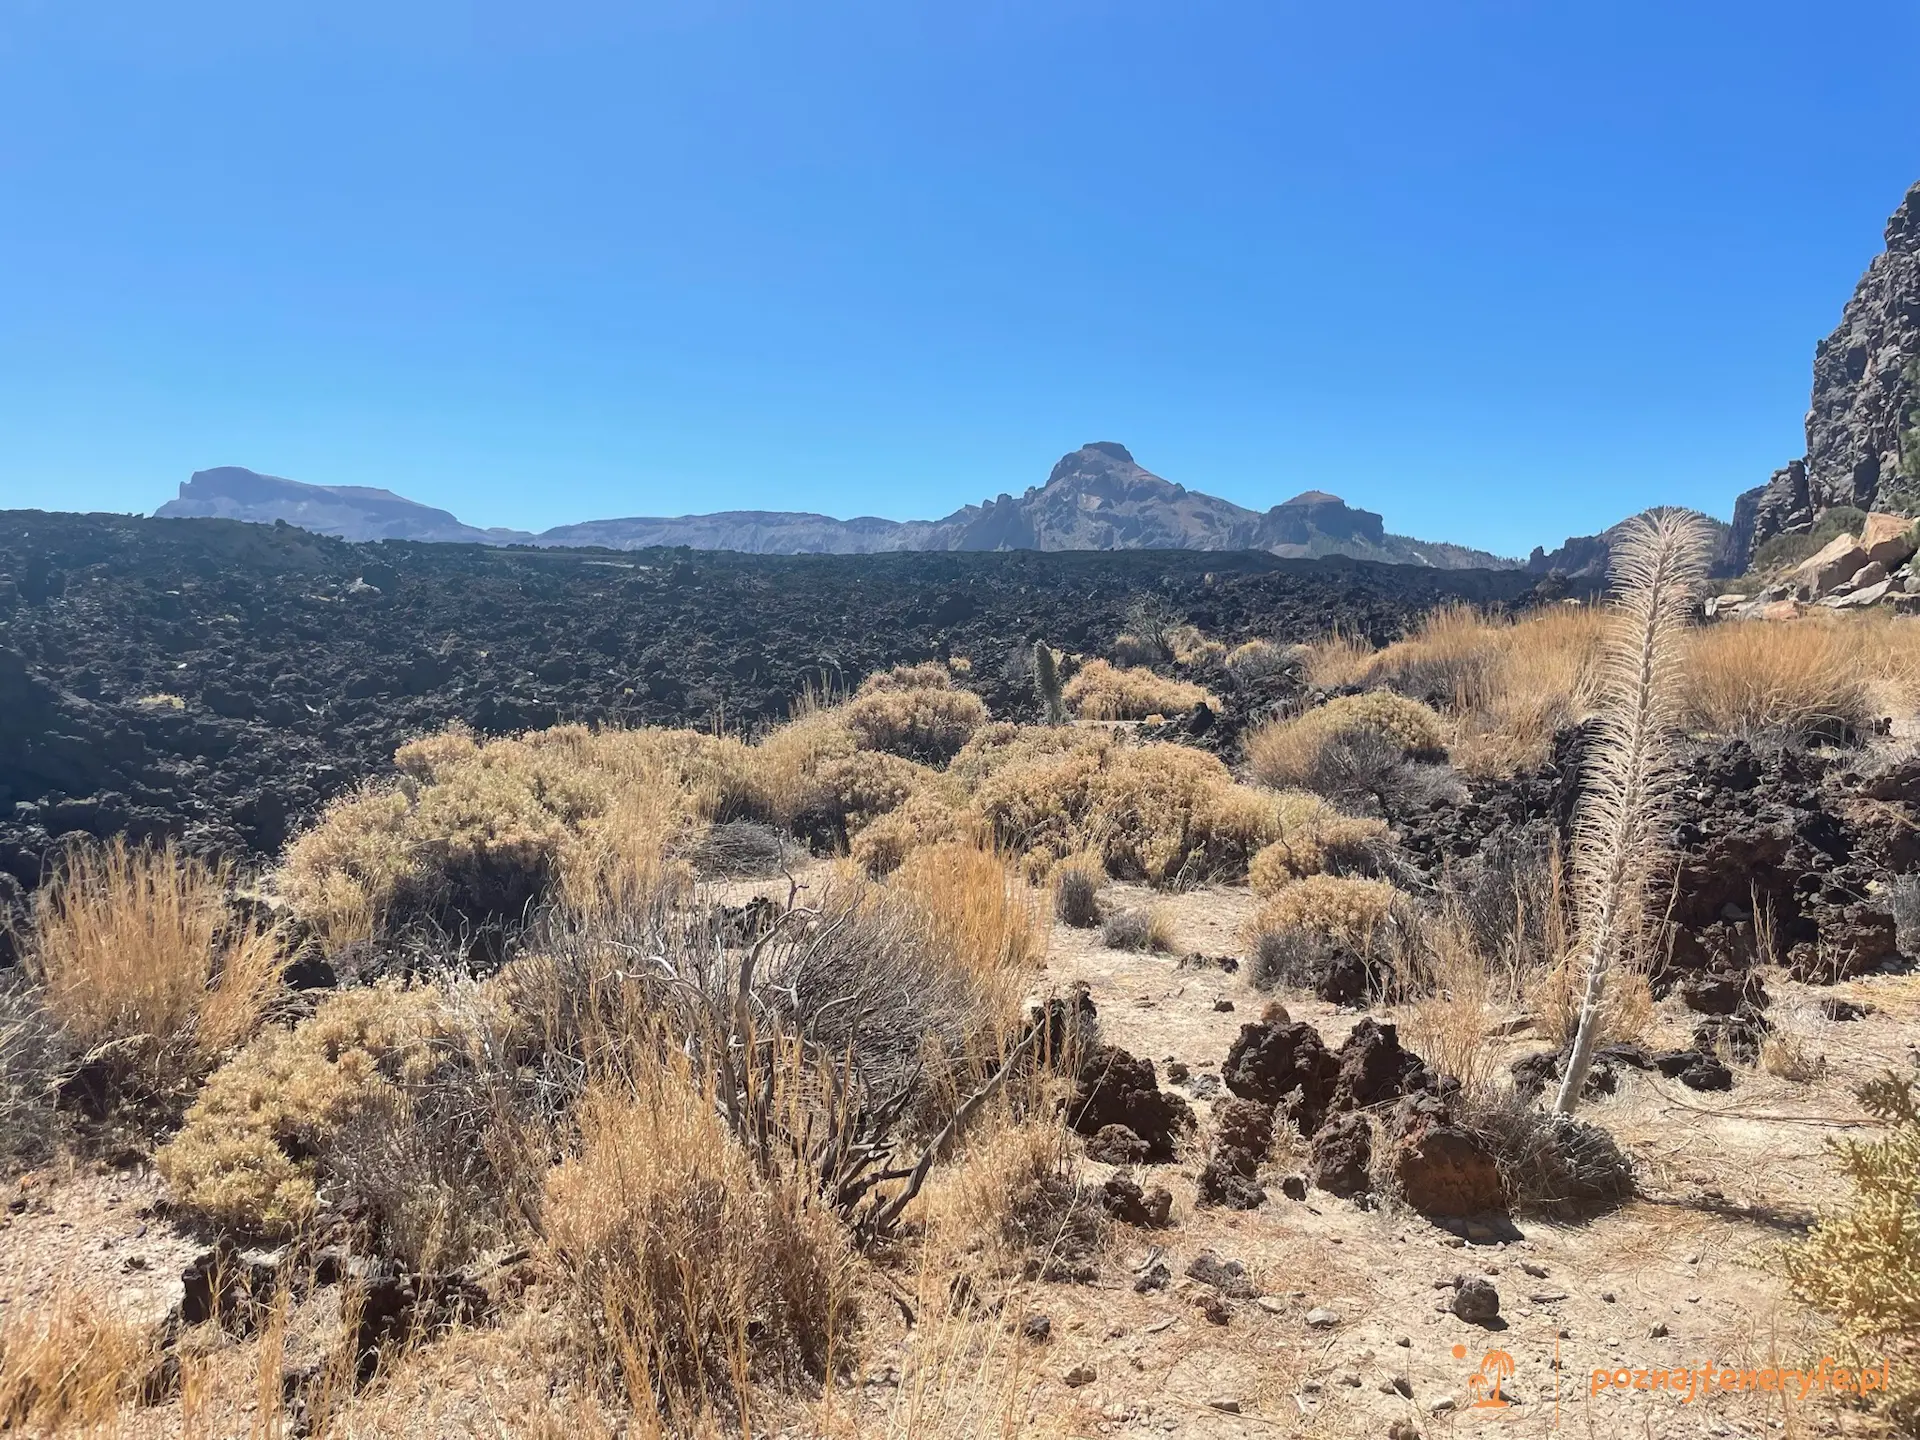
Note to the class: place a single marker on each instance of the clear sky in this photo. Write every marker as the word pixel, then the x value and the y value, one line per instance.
pixel 1502 271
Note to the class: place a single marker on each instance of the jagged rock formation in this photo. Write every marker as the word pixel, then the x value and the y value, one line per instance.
pixel 1097 498
pixel 1865 392
pixel 353 512
pixel 1585 557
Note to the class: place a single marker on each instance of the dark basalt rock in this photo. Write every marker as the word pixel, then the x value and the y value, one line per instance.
pixel 1342 1158
pixel 1115 1089
pixel 294 682
pixel 1375 1067
pixel 1243 1132
pixel 1285 1064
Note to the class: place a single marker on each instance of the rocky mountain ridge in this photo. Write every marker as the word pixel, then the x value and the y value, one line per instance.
pixel 1861 421
pixel 1096 498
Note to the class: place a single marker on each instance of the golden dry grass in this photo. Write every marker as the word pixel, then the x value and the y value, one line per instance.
pixel 985 916
pixel 690 1275
pixel 1103 692
pixel 1507 686
pixel 70 1367
pixel 1806 675
pixel 138 948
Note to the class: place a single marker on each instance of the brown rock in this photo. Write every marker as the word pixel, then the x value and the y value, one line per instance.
pixel 1836 561
pixel 1440 1167
pixel 1887 539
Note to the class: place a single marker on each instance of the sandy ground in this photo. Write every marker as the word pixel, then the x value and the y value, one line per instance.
pixel 1685 1276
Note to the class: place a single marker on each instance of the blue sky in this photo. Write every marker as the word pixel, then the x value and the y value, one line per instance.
pixel 1503 272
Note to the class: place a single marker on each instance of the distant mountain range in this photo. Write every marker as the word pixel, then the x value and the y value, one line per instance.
pixel 1097 498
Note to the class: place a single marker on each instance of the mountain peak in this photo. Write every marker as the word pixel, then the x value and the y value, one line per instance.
pixel 1315 497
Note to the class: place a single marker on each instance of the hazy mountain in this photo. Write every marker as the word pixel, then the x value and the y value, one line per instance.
pixel 1097 498
pixel 353 512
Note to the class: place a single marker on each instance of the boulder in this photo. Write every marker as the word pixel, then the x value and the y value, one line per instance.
pixel 1116 1089
pixel 1860 596
pixel 1838 560
pixel 1441 1167
pixel 1888 540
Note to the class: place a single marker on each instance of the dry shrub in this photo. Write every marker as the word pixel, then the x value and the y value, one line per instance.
pixel 1102 692
pixel 1549 1164
pixel 915 712
pixel 1254 660
pixel 1295 754
pixel 30 1062
pixel 690 1273
pixel 1165 814
pixel 1858 1264
pixel 1076 891
pixel 70 1367
pixel 927 817
pixel 1313 837
pixel 1537 679
pixel 1334 661
pixel 1808 676
pixel 1359 913
pixel 138 952
pixel 1138 929
pixel 390 1092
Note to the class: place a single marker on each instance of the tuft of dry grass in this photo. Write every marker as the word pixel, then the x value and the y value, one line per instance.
pixel 1806 676
pixel 982 913
pixel 1253 660
pixel 1103 692
pixel 69 1367
pixel 1076 891
pixel 1149 928
pixel 138 951
pixel 1335 660
pixel 689 1273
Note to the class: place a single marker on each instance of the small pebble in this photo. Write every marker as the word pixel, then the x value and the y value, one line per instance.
pixel 1658 1332
pixel 1321 1318
pixel 1080 1375
pixel 1230 1407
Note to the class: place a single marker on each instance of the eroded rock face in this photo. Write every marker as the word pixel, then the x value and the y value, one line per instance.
pixel 1863 398
pixel 1376 1067
pixel 1243 1132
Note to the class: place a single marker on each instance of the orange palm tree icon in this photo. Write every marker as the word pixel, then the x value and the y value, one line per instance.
pixel 1496 1366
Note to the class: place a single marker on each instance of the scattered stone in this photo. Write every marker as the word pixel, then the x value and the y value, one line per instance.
pixel 1607 1296
pixel 1223 1006
pixel 1080 1375
pixel 1475 1301
pixel 1398 1384
pixel 1294 1187
pixel 1230 1407
pixel 1272 1304
pixel 1155 1277
pixel 1349 1378
pixel 1440 1406
pixel 1213 1306
pixel 1403 1430
pixel 1538 1272
pixel 1123 1200
pixel 1439 1166
pixel 1658 1331
pixel 1036 1328
pixel 1321 1318
pixel 1229 1277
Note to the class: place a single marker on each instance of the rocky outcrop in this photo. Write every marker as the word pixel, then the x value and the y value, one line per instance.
pixel 1097 498
pixel 1865 392
pixel 1585 557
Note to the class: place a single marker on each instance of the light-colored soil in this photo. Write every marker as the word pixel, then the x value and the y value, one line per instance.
pixel 1726 1182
